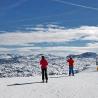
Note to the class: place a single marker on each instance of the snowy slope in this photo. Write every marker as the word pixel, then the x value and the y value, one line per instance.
pixel 82 85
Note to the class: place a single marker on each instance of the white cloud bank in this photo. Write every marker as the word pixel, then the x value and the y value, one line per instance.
pixel 53 34
pixel 50 35
pixel 54 50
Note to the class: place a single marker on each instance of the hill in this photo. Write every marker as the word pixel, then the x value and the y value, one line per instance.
pixel 84 55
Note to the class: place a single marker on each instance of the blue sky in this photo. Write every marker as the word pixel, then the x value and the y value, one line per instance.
pixel 49 25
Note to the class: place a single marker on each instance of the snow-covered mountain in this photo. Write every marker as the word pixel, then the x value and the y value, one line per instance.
pixel 28 65
pixel 84 55
pixel 15 65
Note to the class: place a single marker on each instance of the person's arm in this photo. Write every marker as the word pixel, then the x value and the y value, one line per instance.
pixel 46 62
pixel 67 60
pixel 73 62
pixel 40 62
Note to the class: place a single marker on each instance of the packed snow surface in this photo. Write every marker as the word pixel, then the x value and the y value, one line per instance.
pixel 82 85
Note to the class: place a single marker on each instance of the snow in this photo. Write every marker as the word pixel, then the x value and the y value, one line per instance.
pixel 25 66
pixel 82 85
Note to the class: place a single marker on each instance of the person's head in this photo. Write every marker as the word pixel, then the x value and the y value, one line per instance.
pixel 70 57
pixel 43 57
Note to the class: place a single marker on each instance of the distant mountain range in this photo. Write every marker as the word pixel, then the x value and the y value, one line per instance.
pixel 15 65
pixel 13 58
pixel 84 55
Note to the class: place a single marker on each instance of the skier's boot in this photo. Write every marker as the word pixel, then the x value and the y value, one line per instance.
pixel 46 81
pixel 42 81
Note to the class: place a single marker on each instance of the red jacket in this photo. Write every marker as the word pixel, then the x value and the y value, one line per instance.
pixel 43 63
pixel 71 62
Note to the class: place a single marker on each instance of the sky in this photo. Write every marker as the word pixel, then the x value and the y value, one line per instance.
pixel 57 26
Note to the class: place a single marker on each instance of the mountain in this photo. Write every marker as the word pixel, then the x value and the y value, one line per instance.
pixel 84 55
pixel 15 65
pixel 28 65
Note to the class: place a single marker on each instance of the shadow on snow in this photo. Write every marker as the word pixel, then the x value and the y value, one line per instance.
pixel 23 83
pixel 58 76
pixel 16 84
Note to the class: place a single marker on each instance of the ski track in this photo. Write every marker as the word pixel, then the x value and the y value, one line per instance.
pixel 82 85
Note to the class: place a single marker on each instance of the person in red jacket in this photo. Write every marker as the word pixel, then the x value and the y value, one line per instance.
pixel 44 64
pixel 71 66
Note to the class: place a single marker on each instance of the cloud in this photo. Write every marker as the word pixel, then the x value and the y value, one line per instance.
pixel 71 49
pixel 78 5
pixel 15 4
pixel 93 45
pixel 52 33
pixel 53 50
pixel 4 49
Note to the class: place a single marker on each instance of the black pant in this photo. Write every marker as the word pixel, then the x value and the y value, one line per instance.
pixel 44 74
